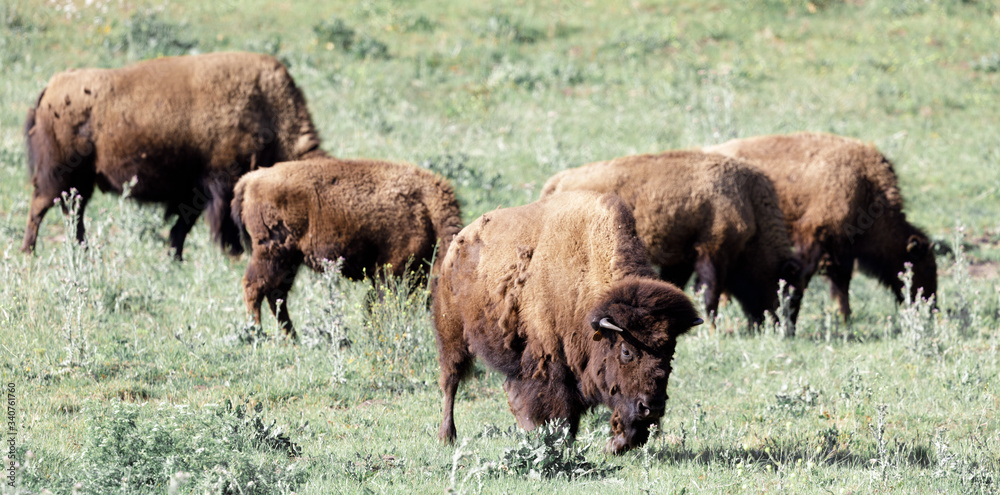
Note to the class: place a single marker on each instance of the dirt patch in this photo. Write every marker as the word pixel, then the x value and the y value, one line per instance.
pixel 985 269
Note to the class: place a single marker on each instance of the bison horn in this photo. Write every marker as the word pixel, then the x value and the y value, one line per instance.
pixel 697 321
pixel 606 324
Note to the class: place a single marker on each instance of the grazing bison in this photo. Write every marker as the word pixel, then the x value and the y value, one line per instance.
pixel 703 213
pixel 371 213
pixel 560 297
pixel 842 203
pixel 186 127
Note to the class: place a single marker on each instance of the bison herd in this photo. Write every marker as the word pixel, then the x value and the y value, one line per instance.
pixel 562 295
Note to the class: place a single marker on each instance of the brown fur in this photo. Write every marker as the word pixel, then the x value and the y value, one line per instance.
pixel 842 203
pixel 371 213
pixel 523 287
pixel 186 127
pixel 701 213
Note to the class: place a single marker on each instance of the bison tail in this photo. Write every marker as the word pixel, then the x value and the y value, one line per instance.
pixel 224 229
pixel 236 212
pixel 29 124
pixel 29 130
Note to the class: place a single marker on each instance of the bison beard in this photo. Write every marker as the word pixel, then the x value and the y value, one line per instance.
pixel 571 324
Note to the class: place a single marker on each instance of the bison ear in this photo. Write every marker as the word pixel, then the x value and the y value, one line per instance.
pixel 917 246
pixel 942 248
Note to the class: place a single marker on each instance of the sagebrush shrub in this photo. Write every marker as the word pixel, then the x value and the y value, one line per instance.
pixel 229 448
pixel 916 321
pixel 398 340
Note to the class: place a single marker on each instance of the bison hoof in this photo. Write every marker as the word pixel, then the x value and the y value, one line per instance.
pixel 447 434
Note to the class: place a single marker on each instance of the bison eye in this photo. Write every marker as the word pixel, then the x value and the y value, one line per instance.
pixel 627 354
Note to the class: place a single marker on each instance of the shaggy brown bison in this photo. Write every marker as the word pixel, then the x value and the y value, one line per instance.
pixel 186 127
pixel 371 213
pixel 560 297
pixel 842 203
pixel 701 213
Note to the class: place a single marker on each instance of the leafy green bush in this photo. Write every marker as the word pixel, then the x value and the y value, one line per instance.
pixel 477 191
pixel 632 45
pixel 796 401
pixel 417 23
pixel 147 35
pixel 987 63
pixel 368 47
pixel 501 28
pixel 269 45
pixel 130 448
pixel 336 32
pixel 535 74
pixel 548 452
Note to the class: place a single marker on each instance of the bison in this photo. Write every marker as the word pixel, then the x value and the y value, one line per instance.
pixel 842 203
pixel 185 127
pixel 559 296
pixel 370 213
pixel 701 213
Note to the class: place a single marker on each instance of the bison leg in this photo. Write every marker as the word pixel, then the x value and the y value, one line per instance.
pixel 809 255
pixel 40 204
pixel 179 232
pixel 85 192
pixel 454 367
pixel 255 283
pixel 536 401
pixel 520 396
pixel 277 299
pixel 839 274
pixel 710 275
pixel 455 361
pixel 271 278
pixel 676 274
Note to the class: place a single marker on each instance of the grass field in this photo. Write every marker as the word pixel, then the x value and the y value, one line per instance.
pixel 136 374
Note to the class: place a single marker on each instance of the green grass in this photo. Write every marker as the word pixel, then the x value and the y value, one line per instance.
pixel 131 369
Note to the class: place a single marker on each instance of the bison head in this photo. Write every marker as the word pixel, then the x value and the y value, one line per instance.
pixel 636 325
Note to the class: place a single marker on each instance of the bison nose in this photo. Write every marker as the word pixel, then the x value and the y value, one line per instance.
pixel 646 408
